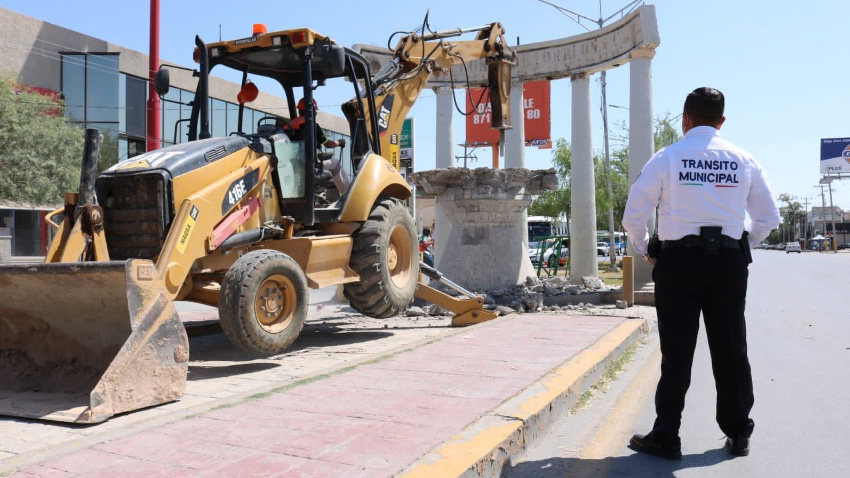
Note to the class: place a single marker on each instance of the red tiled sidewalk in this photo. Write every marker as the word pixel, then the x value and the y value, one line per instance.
pixel 370 422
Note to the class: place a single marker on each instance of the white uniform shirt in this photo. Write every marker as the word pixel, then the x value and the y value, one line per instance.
pixel 703 180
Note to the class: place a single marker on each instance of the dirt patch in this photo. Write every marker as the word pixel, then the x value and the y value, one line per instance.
pixel 20 373
pixel 47 345
pixel 35 356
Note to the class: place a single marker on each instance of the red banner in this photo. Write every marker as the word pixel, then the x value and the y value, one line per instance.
pixel 536 99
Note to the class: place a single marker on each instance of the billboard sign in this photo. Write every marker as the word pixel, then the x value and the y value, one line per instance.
pixel 834 155
pixel 536 96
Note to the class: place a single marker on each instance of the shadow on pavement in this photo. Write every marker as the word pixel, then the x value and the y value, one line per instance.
pixel 636 465
pixel 202 372
pixel 216 347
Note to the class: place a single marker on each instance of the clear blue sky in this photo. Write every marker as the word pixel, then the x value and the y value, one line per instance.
pixel 782 65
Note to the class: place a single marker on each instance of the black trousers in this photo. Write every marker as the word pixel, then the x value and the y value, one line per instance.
pixel 687 282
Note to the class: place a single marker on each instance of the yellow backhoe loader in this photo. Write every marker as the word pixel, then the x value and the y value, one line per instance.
pixel 247 222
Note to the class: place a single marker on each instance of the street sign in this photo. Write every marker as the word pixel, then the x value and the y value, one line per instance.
pixel 407 140
pixel 826 180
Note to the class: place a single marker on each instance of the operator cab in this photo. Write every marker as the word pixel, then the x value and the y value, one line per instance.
pixel 301 61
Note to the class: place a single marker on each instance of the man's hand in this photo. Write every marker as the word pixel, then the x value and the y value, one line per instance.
pixel 341 142
pixel 649 259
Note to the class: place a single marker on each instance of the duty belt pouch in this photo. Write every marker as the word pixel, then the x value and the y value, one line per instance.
pixel 745 247
pixel 653 247
pixel 711 239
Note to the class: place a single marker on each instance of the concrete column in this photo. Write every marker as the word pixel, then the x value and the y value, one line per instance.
pixel 641 137
pixel 515 138
pixel 583 195
pixel 515 146
pixel 445 128
pixel 445 159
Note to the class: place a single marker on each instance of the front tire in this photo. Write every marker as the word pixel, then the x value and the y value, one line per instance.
pixel 386 255
pixel 263 302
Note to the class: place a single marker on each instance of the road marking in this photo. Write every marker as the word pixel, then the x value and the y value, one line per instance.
pixel 596 458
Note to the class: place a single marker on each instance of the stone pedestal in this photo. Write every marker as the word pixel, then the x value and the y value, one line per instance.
pixel 5 248
pixel 485 249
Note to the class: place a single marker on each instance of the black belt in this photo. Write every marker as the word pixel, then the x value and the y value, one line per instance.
pixel 693 240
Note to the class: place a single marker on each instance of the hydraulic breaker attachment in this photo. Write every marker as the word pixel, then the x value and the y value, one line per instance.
pixel 468 310
pixel 80 342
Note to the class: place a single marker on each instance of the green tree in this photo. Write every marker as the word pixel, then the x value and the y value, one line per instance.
pixel 790 212
pixel 553 203
pixel 665 134
pixel 40 153
pixel 619 188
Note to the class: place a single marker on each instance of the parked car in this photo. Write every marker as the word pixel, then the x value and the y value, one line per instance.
pixel 846 245
pixel 621 248
pixel 533 251
pixel 602 249
pixel 792 247
pixel 549 254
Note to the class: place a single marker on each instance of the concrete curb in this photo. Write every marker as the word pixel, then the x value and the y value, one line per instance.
pixel 484 447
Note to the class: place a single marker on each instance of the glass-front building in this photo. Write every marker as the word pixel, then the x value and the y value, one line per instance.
pixel 105 86
pixel 98 95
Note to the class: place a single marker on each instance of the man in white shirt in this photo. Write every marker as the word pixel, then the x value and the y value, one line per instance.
pixel 704 187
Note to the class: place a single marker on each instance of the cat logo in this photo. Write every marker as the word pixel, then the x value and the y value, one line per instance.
pixel 384 115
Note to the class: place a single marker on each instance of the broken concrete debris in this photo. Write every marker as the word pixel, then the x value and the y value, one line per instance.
pixel 534 295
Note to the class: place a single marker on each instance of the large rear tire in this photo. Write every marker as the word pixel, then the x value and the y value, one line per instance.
pixel 386 255
pixel 263 302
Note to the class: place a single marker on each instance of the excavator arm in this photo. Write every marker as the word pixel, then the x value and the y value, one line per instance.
pixel 467 310
pixel 416 57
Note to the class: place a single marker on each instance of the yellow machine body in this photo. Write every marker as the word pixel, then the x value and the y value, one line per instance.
pixel 232 222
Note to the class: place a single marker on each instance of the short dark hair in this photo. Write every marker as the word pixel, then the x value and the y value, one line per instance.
pixel 705 106
pixel 426 231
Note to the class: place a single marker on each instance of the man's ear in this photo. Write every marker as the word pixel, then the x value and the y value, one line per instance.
pixel 720 124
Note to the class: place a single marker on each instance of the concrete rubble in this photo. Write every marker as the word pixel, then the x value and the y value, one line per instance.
pixel 534 295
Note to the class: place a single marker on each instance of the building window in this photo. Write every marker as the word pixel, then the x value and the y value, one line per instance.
pixel 90 83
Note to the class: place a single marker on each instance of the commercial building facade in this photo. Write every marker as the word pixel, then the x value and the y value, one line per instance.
pixel 105 86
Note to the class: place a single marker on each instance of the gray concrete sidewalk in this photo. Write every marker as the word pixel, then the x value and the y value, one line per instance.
pixel 459 405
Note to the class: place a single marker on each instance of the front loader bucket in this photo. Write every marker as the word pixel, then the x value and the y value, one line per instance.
pixel 80 342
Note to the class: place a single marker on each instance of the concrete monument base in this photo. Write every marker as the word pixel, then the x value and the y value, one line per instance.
pixel 485 249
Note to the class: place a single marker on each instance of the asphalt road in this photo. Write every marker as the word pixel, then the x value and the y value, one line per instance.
pixel 798 316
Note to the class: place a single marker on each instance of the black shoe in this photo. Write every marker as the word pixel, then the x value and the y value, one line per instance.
pixel 648 444
pixel 739 446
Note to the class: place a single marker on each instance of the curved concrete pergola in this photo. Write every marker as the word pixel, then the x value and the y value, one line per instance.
pixel 631 40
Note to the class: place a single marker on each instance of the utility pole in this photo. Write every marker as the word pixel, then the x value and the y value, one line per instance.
pixel 612 251
pixel 832 213
pixel 466 153
pixel 806 225
pixel 153 105
pixel 823 205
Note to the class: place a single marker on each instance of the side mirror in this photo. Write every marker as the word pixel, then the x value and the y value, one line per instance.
pixel 161 82
pixel 333 60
